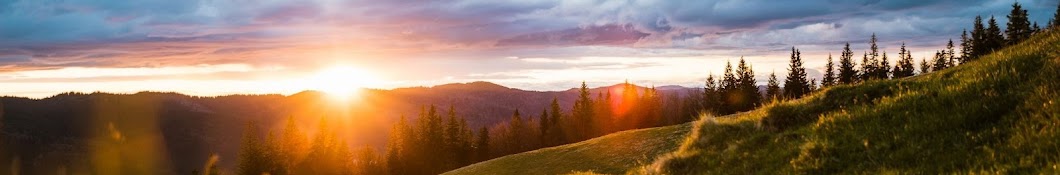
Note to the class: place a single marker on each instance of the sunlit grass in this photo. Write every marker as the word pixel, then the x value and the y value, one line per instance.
pixel 998 114
pixel 611 154
pixel 995 115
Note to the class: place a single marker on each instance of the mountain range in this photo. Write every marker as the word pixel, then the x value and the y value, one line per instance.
pixel 57 131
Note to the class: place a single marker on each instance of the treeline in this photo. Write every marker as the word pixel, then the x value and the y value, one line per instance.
pixel 290 152
pixel 736 91
pixel 436 143
pixel 439 141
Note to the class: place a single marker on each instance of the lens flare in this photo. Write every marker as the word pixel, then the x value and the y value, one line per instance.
pixel 342 82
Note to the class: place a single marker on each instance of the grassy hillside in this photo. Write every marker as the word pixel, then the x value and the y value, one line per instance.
pixel 999 114
pixel 614 153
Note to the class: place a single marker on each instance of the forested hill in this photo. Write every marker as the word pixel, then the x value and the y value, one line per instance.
pixel 54 131
pixel 995 115
pixel 998 113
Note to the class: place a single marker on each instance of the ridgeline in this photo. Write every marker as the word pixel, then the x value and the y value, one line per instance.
pixel 998 114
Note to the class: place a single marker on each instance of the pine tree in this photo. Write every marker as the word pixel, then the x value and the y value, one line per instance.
pixel 482 145
pixel 874 51
pixel 925 67
pixel 453 141
pixel 252 152
pixel 1056 18
pixel 604 115
pixel 747 88
pixel 711 96
pixel 940 61
pixel 813 85
pixel 979 40
pixel 995 40
pixel 583 114
pixel 867 67
pixel 649 108
pixel 327 154
pixel 1018 27
pixel 465 156
pixel 873 60
pixel 729 87
pixel 1035 28
pixel 773 88
pixel 883 70
pixel 829 78
pixel 517 132
pixel 431 132
pixel 966 47
pixel 559 134
pixel 796 84
pixel 904 66
pixel 847 72
pixel 367 161
pixel 630 104
pixel 898 72
pixel 609 111
pixel 274 162
pixel 395 147
pixel 411 146
pixel 684 109
pixel 292 145
pixel 544 125
pixel 341 158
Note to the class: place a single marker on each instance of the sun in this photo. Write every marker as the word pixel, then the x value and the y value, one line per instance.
pixel 342 82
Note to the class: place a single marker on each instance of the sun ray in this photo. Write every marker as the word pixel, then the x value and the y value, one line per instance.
pixel 342 82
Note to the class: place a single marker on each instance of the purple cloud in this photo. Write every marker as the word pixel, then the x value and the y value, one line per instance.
pixel 593 35
pixel 156 33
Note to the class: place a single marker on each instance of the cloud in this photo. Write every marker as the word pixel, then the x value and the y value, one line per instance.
pixel 466 37
pixel 480 23
pixel 593 35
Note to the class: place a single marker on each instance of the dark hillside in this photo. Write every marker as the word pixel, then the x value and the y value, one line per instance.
pixel 58 131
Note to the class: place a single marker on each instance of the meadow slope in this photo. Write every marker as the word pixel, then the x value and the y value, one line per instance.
pixel 613 153
pixel 998 114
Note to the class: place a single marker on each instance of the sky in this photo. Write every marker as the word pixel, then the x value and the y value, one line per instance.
pixel 218 47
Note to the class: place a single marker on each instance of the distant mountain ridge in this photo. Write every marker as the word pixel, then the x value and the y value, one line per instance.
pixel 192 127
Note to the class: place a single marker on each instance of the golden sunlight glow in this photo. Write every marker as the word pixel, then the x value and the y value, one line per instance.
pixel 342 82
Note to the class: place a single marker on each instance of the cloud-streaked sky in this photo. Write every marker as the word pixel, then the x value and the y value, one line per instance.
pixel 215 47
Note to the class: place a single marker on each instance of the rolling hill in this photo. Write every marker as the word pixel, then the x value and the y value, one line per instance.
pixel 996 115
pixel 614 153
pixel 185 131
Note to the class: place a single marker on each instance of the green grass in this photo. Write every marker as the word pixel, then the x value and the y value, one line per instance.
pixel 611 154
pixel 1000 114
pixel 996 115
